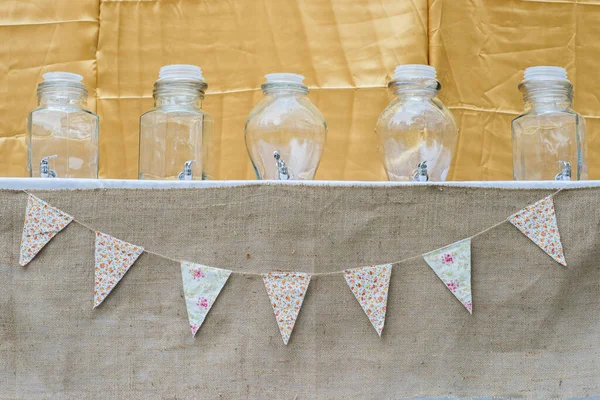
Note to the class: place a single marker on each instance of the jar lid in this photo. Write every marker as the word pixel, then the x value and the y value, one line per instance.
pixel 414 71
pixel 546 73
pixel 284 77
pixel 180 72
pixel 62 76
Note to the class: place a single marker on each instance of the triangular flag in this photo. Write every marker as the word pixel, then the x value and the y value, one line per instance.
pixel 201 286
pixel 452 264
pixel 286 291
pixel 113 259
pixel 370 286
pixel 538 223
pixel 42 223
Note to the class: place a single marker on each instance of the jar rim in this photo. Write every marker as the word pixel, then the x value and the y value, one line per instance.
pixel 61 85
pixel 268 86
pixel 545 84
pixel 416 83
pixel 180 84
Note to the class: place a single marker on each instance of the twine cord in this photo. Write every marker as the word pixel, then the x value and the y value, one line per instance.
pixel 317 273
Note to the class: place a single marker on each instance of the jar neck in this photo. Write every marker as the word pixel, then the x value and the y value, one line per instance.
pixel 547 95
pixel 186 94
pixel 284 89
pixel 415 89
pixel 60 94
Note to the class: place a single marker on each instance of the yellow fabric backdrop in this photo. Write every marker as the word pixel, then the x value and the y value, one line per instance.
pixel 347 49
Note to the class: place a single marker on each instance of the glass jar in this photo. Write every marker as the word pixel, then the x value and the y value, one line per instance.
pixel 285 133
pixel 417 133
pixel 175 136
pixel 549 138
pixel 62 136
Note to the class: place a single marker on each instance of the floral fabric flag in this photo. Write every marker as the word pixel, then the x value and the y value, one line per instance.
pixel 452 264
pixel 113 259
pixel 201 286
pixel 286 291
pixel 42 223
pixel 538 223
pixel 370 286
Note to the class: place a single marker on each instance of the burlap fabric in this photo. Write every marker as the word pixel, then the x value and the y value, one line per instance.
pixel 535 330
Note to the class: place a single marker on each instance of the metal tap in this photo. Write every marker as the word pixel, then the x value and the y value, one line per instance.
pixel 186 174
pixel 45 171
pixel 420 174
pixel 565 172
pixel 282 170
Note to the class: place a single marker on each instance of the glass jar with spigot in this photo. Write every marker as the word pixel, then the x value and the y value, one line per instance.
pixel 549 137
pixel 417 133
pixel 62 135
pixel 175 136
pixel 285 133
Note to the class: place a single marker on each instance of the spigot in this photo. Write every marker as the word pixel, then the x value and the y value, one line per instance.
pixel 420 174
pixel 565 171
pixel 186 174
pixel 283 172
pixel 45 171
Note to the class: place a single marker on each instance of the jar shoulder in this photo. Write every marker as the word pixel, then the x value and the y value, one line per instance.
pixel 407 112
pixel 54 118
pixel 282 110
pixel 71 111
pixel 555 116
pixel 189 114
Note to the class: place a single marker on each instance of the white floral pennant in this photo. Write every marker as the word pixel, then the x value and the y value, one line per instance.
pixel 452 264
pixel 201 286
pixel 286 291
pixel 113 259
pixel 370 286
pixel 538 223
pixel 42 223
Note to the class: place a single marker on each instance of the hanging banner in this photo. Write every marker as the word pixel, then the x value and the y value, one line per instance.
pixel 201 286
pixel 286 291
pixel 452 264
pixel 370 286
pixel 113 258
pixel 42 223
pixel 538 223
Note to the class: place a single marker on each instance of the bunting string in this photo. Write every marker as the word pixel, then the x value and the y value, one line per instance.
pixel 317 274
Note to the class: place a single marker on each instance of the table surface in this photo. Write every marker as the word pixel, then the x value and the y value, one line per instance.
pixel 61 183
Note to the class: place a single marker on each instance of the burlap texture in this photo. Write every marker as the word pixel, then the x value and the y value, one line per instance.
pixel 535 330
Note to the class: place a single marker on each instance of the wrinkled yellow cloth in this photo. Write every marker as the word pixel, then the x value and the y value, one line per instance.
pixel 346 49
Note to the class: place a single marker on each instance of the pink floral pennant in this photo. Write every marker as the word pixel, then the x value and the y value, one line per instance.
pixel 113 259
pixel 370 286
pixel 286 291
pixel 538 223
pixel 452 264
pixel 42 223
pixel 201 286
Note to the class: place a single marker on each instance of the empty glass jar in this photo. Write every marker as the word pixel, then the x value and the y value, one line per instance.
pixel 175 136
pixel 285 133
pixel 62 136
pixel 549 138
pixel 417 133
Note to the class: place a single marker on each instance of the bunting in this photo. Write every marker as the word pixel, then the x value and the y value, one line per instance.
pixel 201 286
pixel 113 259
pixel 452 264
pixel 42 223
pixel 286 291
pixel 370 286
pixel 538 223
